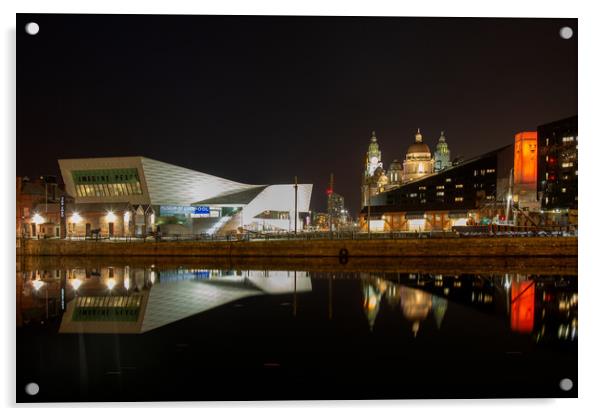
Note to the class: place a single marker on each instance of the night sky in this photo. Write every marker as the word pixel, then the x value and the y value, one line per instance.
pixel 261 99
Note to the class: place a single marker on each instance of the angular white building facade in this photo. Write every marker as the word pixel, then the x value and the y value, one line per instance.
pixel 183 200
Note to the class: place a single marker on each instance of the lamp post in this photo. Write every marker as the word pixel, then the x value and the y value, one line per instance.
pixel 368 217
pixel 330 192
pixel 296 190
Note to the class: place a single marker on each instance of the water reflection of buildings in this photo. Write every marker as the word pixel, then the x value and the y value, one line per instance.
pixel 545 307
pixel 414 304
pixel 137 300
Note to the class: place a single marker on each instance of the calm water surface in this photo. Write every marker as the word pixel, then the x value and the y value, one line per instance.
pixel 107 330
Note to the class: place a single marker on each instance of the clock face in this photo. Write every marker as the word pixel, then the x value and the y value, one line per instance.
pixel 374 160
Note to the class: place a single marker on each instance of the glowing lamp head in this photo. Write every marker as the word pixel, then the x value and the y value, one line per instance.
pixel 75 218
pixel 111 283
pixel 126 216
pixel 111 216
pixel 38 219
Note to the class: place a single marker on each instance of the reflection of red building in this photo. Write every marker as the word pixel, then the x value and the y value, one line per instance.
pixel 522 313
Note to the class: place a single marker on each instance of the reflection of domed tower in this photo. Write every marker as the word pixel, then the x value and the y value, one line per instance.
pixel 395 173
pixel 442 156
pixel 371 303
pixel 415 305
pixel 439 309
pixel 418 161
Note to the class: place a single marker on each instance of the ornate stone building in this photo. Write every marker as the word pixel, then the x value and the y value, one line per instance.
pixel 417 163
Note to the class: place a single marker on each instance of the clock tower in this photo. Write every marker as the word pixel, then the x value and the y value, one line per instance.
pixel 373 157
pixel 374 174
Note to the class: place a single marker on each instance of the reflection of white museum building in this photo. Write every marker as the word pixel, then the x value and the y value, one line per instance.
pixel 138 300
pixel 137 195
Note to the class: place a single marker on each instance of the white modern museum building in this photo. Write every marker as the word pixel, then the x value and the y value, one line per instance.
pixel 142 195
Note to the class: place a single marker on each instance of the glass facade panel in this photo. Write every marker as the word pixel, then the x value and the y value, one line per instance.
pixel 107 182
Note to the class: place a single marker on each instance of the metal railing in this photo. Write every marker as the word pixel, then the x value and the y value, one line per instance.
pixel 456 232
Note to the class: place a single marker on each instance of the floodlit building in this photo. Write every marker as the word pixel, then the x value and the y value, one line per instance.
pixel 35 200
pixel 417 163
pixel 557 170
pixel 525 171
pixel 337 211
pixel 473 192
pixel 176 200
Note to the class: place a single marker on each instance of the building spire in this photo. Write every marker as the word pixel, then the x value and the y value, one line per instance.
pixel 373 137
pixel 442 138
pixel 418 136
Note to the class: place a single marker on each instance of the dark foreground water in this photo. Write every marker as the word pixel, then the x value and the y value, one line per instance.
pixel 111 330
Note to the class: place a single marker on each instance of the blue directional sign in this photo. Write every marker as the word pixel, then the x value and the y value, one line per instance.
pixel 202 210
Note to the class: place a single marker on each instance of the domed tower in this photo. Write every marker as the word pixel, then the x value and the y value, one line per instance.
pixel 373 171
pixel 373 156
pixel 418 161
pixel 395 172
pixel 442 155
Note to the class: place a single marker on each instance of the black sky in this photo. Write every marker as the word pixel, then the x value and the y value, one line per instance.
pixel 261 99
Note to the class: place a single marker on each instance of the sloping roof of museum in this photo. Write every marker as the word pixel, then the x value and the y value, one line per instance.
pixel 241 197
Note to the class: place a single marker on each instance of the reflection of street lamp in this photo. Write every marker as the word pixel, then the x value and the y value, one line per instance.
pixel 38 219
pixel 111 283
pixel 75 284
pixel 37 284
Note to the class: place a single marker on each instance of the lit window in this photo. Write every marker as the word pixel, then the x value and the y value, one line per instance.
pixel 490 170
pixel 447 179
pixel 423 201
pixel 459 186
pixel 422 188
pixel 568 139
pixel 567 164
pixel 413 195
pixel 440 193
pixel 441 187
pixel 458 199
pixel 564 190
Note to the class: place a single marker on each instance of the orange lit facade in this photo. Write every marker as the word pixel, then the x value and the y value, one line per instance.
pixel 525 169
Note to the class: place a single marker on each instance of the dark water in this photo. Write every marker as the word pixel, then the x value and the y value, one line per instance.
pixel 114 330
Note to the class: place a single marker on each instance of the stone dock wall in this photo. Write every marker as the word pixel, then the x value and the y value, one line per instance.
pixel 427 247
